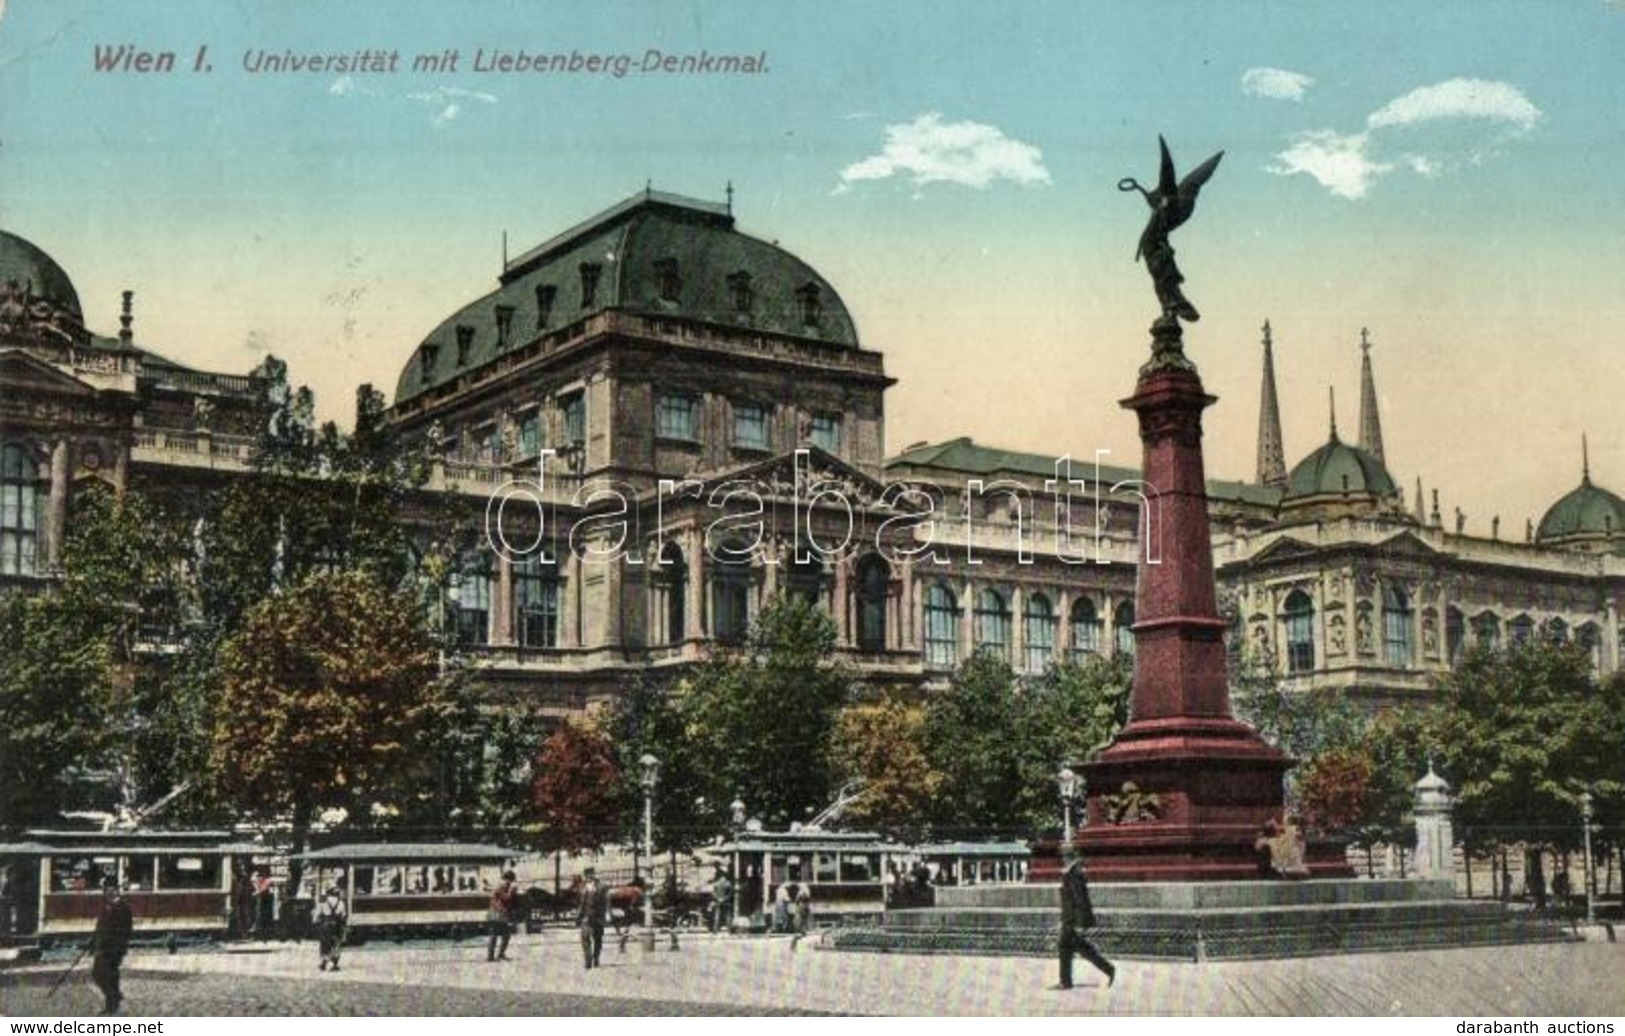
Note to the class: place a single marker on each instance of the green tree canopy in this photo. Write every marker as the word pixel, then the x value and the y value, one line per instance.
pixel 882 744
pixel 327 691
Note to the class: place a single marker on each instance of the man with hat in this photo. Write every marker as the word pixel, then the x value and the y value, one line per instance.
pixel 1078 915
pixel 331 919
pixel 592 913
pixel 110 943
pixel 499 916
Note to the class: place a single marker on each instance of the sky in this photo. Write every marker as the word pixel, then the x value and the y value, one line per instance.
pixel 1442 174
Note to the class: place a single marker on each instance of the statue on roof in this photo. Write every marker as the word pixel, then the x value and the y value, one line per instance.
pixel 1172 203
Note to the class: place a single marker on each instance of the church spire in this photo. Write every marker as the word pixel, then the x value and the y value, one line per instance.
pixel 1585 461
pixel 1271 453
pixel 1331 402
pixel 1370 422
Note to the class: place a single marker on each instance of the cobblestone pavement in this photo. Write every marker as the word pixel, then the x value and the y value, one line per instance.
pixel 176 994
pixel 718 974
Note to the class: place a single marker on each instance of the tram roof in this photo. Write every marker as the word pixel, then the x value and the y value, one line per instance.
pixel 427 852
pixel 825 841
pixel 145 841
pixel 974 849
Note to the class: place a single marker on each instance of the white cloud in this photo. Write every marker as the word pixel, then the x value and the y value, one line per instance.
pixel 1459 99
pixel 1339 163
pixel 448 102
pixel 928 150
pixel 1407 134
pixel 1275 83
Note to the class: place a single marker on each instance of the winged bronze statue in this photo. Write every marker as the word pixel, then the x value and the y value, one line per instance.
pixel 1171 205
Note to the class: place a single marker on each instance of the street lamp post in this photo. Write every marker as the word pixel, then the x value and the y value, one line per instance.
pixel 649 777
pixel 1590 877
pixel 1068 783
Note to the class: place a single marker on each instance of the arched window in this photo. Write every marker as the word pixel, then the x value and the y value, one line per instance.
pixel 1455 634
pixel 674 574
pixel 941 626
pixel 1487 631
pixel 1038 618
pixel 805 579
pixel 874 580
pixel 1086 626
pixel 1589 638
pixel 536 601
pixel 1521 628
pixel 1556 631
pixel 1299 613
pixel 1123 620
pixel 19 512
pixel 473 597
pixel 1397 641
pixel 730 594
pixel 993 623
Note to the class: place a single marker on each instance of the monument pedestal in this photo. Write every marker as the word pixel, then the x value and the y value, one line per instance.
pixel 1183 791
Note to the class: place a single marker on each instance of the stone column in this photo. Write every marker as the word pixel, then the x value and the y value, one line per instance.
pixel 694 607
pixel 56 515
pixel 839 609
pixel 1435 842
pixel 502 626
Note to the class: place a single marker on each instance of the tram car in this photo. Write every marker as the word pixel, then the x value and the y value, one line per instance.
pixel 402 889
pixel 178 883
pixel 845 873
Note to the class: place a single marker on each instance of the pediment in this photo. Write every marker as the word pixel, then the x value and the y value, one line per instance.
pixel 1284 549
pixel 21 371
pixel 1406 545
pixel 783 473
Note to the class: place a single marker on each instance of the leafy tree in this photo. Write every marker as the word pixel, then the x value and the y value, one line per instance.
pixel 647 720
pixel 576 793
pixel 972 734
pixel 761 719
pixel 53 712
pixel 327 692
pixel 882 744
pixel 1523 732
pixel 1337 790
pixel 1066 716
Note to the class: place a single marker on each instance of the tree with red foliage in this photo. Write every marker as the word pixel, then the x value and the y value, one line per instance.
pixel 575 788
pixel 1337 790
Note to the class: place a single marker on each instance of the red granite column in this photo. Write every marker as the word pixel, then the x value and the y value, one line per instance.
pixel 1184 789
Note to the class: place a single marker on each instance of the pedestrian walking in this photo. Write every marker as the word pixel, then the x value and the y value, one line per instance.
pixel 1077 916
pixel 592 913
pixel 110 943
pixel 499 916
pixel 722 902
pixel 332 920
pixel 803 908
pixel 781 909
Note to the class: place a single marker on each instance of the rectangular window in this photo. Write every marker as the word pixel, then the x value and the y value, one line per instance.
pixel 750 426
pixel 189 872
pixel 530 434
pixel 485 444
pixel 474 609
pixel 825 432
pixel 574 407
pixel 677 417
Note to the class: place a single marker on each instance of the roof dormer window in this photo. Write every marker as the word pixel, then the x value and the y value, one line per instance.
pixel 504 326
pixel 428 354
pixel 589 283
pixel 465 343
pixel 812 306
pixel 670 281
pixel 544 303
pixel 739 291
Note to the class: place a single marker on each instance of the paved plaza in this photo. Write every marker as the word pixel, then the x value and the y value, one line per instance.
pixel 723 975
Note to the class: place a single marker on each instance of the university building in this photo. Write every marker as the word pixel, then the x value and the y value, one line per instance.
pixel 683 421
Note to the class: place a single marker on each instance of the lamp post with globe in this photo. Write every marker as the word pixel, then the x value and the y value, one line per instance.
pixel 647 779
pixel 1067 782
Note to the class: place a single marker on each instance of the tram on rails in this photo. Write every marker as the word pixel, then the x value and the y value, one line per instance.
pixel 177 882
pixel 407 888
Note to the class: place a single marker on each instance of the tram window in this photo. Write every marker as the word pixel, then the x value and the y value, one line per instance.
pixel 824 867
pixel 386 881
pixel 190 872
pixel 860 867
pixel 139 872
pixel 779 869
pixel 363 881
pixel 417 880
pixel 468 879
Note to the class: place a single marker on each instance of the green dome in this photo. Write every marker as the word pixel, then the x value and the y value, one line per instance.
pixel 1337 468
pixel 31 268
pixel 1587 510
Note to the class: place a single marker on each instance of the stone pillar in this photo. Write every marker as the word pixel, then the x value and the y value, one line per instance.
pixel 694 607
pixel 1435 842
pixel 502 626
pixel 839 607
pixel 56 514
pixel 1205 782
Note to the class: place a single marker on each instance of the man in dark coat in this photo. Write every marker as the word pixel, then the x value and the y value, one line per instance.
pixel 591 915
pixel 1077 916
pixel 110 943
pixel 499 917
